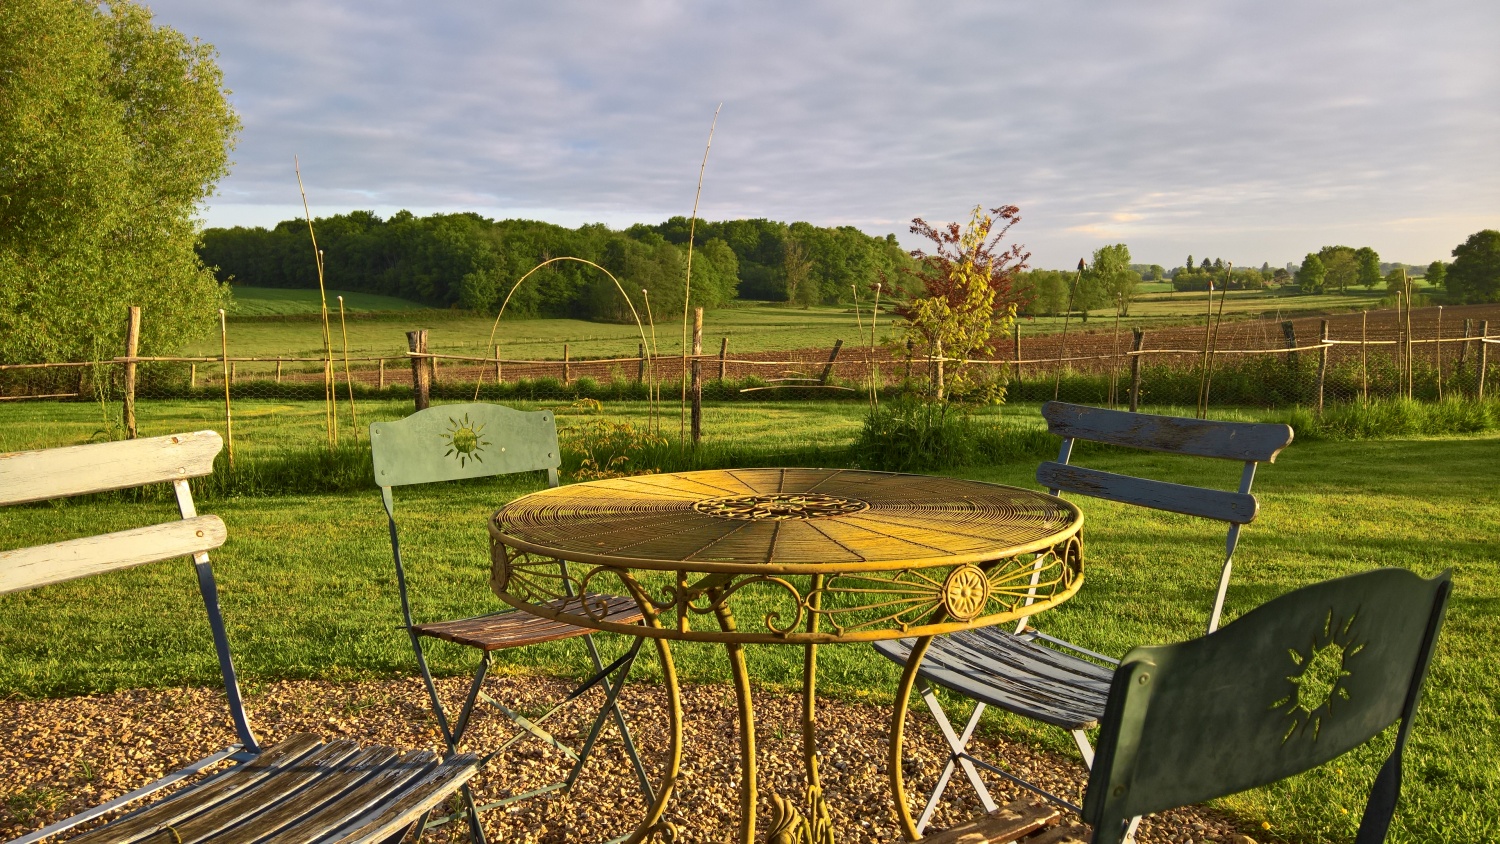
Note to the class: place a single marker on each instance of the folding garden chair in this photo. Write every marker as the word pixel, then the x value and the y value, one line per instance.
pixel 1041 677
pixel 1294 683
pixel 464 441
pixel 302 789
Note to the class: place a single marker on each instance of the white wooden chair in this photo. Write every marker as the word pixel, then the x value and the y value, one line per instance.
pixel 302 789
pixel 1037 676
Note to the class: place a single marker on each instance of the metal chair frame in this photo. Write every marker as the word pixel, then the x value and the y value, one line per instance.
pixel 385 437
pixel 1078 669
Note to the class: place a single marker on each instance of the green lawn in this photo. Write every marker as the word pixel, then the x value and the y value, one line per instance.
pixel 308 588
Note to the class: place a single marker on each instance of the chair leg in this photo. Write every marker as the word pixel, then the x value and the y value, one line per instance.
pixel 611 705
pixel 619 715
pixel 957 754
pixel 451 737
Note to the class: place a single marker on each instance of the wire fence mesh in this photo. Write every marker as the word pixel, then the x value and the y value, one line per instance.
pixel 1426 354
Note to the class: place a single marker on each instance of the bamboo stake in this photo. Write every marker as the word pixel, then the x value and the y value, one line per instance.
pixel 874 312
pixel 330 395
pixel 382 373
pixel 1208 320
pixel 348 379
pixel 653 388
pixel 1213 349
pixel 1406 285
pixel 687 286
pixel 228 416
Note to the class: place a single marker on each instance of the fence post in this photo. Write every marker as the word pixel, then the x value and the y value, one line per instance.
pixel 192 378
pixel 1463 348
pixel 234 368
pixel 1322 362
pixel 1364 358
pixel 382 373
pixel 1018 352
pixel 83 372
pixel 832 356
pixel 697 386
pixel 433 364
pixel 416 341
pixel 132 345
pixel 1135 368
pixel 278 369
pixel 724 359
pixel 640 373
pixel 1293 362
pixel 1484 355
pixel 567 371
pixel 498 373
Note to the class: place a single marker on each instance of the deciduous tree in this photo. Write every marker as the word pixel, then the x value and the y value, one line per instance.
pixel 1311 276
pixel 112 129
pixel 1474 275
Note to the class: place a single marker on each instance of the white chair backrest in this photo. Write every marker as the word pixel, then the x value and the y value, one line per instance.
pixel 29 476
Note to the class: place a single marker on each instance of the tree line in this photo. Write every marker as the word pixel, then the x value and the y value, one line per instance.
pixel 471 262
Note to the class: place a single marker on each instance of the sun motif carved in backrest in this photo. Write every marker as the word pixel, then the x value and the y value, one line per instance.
pixel 464 440
pixel 1318 681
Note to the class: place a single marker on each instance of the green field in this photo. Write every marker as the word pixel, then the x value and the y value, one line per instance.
pixel 269 301
pixel 379 324
pixel 307 585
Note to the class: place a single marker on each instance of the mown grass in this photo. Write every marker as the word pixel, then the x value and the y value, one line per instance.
pixel 309 592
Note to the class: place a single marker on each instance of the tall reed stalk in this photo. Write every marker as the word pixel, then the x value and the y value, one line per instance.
pixel 330 391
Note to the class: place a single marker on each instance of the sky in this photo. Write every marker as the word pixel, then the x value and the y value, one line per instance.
pixel 1251 131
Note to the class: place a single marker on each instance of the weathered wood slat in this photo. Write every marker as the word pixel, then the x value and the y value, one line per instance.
pixel 313 795
pixel 516 629
pixel 245 803
pixel 1234 507
pixel 376 788
pixel 1009 671
pixel 27 476
pixel 185 804
pixel 1205 438
pixel 1070 833
pixel 28 568
pixel 417 799
pixel 1007 824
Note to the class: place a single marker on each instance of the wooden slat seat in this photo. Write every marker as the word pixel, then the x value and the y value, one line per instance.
pixel 303 789
pixel 515 629
pixel 1017 822
pixel 1013 672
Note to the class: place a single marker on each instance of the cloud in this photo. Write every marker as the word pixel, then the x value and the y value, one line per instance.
pixel 1242 128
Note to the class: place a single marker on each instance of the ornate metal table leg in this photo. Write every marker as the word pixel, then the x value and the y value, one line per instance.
pixel 819 824
pixel 673 765
pixel 741 676
pixel 898 729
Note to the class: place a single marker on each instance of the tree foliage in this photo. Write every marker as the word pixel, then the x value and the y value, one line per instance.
pixel 967 291
pixel 111 131
pixel 1311 275
pixel 1474 275
pixel 1112 276
pixel 468 261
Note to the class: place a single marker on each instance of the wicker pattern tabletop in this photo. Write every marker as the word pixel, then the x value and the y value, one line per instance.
pixel 784 520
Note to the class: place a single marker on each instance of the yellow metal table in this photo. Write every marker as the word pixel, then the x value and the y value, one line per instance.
pixel 825 555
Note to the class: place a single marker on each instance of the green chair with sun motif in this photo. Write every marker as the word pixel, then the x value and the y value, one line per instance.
pixel 1288 686
pixel 468 441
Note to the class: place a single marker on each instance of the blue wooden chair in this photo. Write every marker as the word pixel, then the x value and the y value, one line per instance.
pixel 466 441
pixel 303 789
pixel 1034 675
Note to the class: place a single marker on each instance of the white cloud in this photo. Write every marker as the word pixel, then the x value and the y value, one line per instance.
pixel 1256 130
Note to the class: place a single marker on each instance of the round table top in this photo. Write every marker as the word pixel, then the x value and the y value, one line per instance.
pixel 790 521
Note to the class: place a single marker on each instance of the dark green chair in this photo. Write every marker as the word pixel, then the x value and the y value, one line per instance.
pixel 466 441
pixel 1290 685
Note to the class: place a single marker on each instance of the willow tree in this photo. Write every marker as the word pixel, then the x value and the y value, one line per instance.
pixel 112 129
